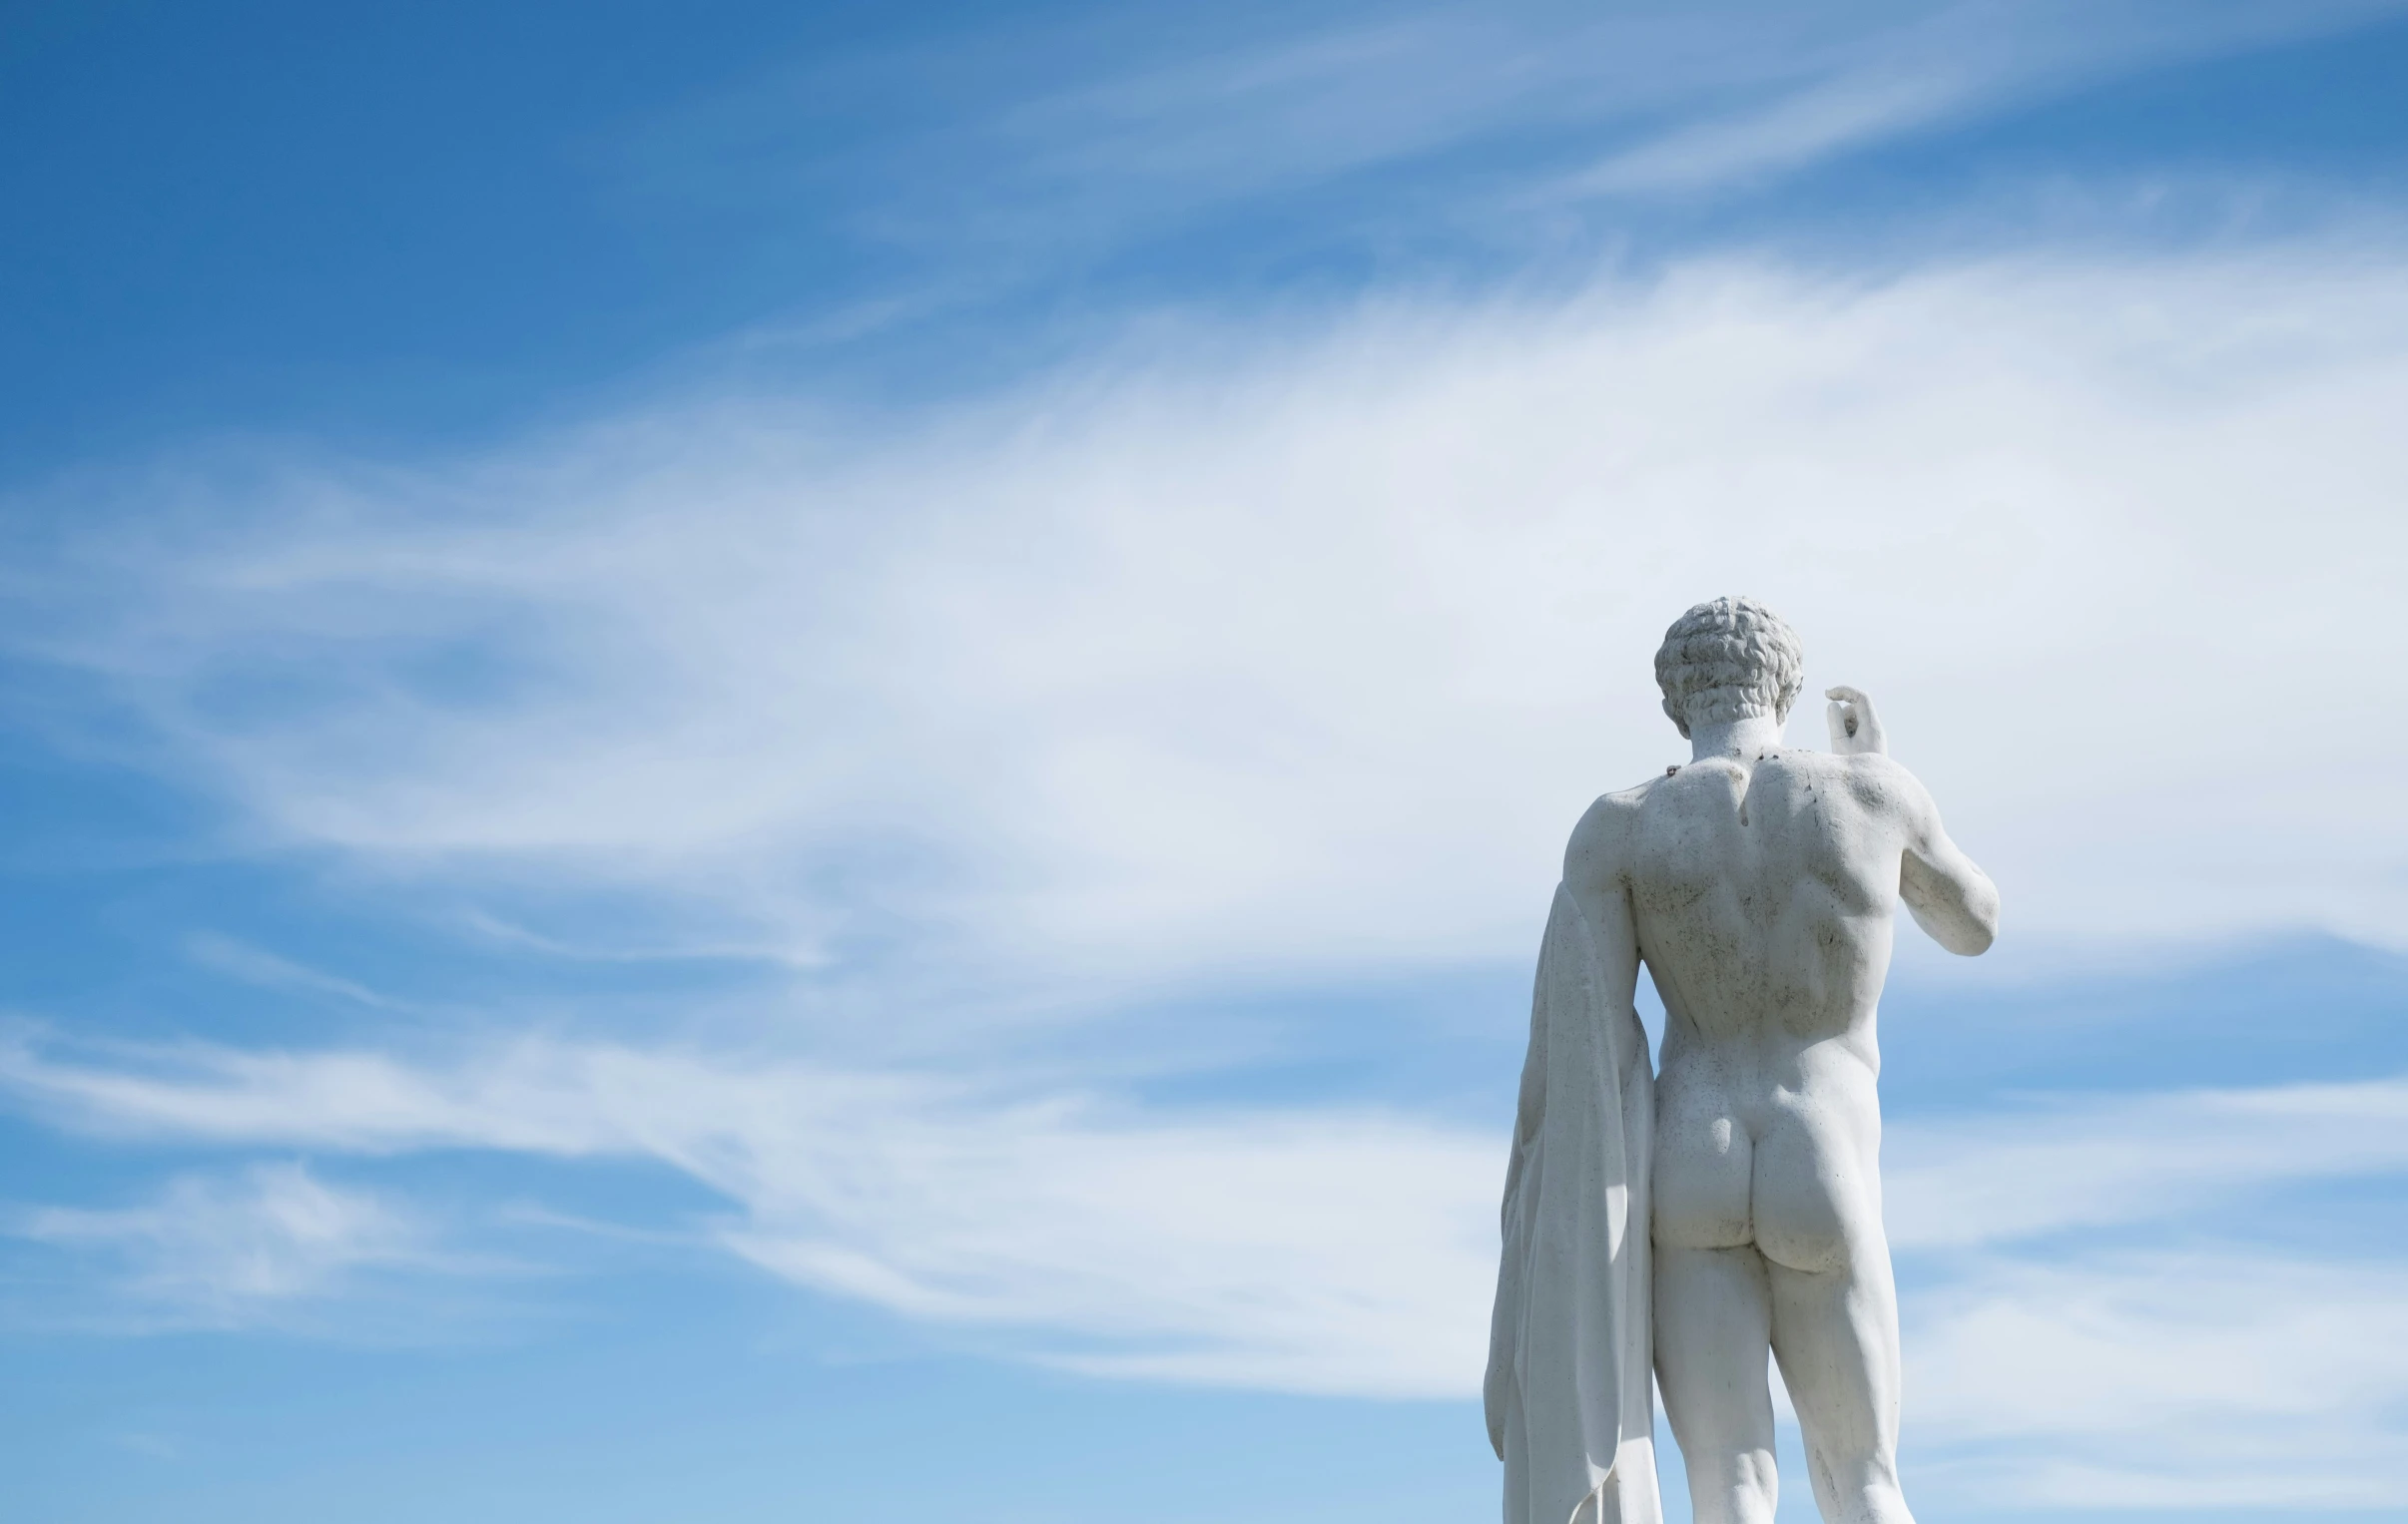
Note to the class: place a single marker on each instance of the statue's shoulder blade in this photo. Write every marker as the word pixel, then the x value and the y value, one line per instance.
pixel 1883 787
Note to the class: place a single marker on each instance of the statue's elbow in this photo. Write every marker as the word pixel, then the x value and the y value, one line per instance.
pixel 1964 924
pixel 1978 928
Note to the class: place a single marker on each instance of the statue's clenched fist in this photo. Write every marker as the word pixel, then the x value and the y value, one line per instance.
pixel 1855 727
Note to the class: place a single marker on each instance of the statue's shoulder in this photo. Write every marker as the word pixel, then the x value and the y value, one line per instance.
pixel 1602 837
pixel 1622 806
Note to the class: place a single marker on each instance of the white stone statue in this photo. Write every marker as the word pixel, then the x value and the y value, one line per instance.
pixel 1732 1207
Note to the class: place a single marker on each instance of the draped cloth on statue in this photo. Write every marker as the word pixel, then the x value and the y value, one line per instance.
pixel 1569 1390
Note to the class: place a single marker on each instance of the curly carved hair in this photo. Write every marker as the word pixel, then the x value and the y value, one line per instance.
pixel 1728 659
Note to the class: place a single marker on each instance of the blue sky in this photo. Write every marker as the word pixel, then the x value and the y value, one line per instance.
pixel 801 763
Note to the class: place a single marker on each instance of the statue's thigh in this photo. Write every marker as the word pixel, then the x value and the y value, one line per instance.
pixel 1812 1195
pixel 1713 1328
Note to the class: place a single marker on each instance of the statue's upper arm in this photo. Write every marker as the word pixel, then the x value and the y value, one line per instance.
pixel 1595 871
pixel 1948 895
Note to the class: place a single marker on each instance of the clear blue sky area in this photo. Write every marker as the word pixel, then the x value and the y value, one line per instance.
pixel 798 762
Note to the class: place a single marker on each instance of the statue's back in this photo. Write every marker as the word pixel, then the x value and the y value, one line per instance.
pixel 1761 895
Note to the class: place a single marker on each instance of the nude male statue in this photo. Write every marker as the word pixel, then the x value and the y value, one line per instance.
pixel 1756 885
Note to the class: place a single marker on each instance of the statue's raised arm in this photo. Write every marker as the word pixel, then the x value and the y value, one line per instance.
pixel 1949 897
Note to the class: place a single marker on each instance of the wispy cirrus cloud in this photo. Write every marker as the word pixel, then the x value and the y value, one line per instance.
pixel 1349 1252
pixel 2219 1378
pixel 1326 1250
pixel 2196 1364
pixel 1795 130
pixel 1275 652
pixel 257 966
pixel 1018 151
pixel 243 1250
pixel 1925 67
pixel 2064 1164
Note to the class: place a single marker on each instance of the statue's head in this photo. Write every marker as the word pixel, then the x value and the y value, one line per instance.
pixel 1728 659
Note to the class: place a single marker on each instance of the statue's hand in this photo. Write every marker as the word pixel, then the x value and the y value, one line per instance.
pixel 1854 727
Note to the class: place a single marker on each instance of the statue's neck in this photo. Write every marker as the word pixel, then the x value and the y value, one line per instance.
pixel 1745 739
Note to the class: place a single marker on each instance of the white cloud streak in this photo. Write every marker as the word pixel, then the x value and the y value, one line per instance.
pixel 1930 66
pixel 1787 134
pixel 235 1250
pixel 257 966
pixel 2232 1379
pixel 1309 1251
pixel 1352 1253
pixel 2120 1159
pixel 2229 1375
pixel 1038 148
pixel 1278 652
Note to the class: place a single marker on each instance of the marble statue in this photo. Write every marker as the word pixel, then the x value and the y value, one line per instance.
pixel 1730 1207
